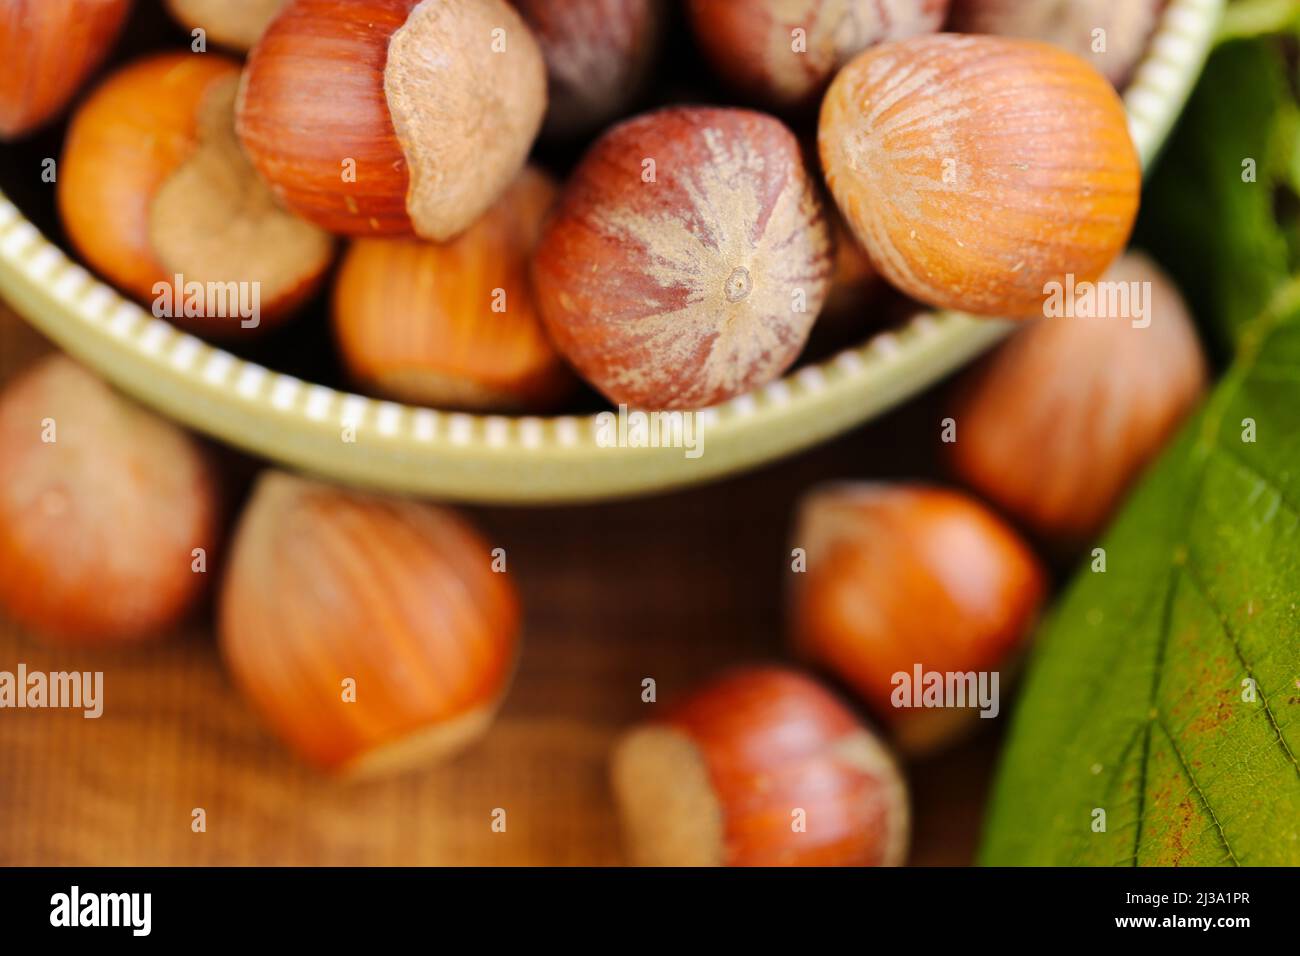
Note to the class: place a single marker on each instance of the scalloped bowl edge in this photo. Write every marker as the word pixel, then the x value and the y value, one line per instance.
pixel 491 458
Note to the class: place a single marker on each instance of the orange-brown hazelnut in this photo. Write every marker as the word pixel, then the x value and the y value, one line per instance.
pixel 905 576
pixel 975 170
pixel 392 117
pixel 372 633
pixel 109 515
pixel 1054 426
pixel 153 185
pixel 760 767
pixel 453 324
pixel 49 48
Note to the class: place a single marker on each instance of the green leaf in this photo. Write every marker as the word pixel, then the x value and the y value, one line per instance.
pixel 1227 240
pixel 1247 18
pixel 1133 703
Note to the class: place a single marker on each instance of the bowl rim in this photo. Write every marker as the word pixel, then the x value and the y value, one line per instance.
pixel 485 458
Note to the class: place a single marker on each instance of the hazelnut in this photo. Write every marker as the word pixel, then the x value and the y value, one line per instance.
pixel 371 632
pixel 189 204
pixel 975 170
pixel 102 506
pixel 760 767
pixel 686 258
pixel 598 56
pixel 900 576
pixel 232 23
pixel 392 117
pixel 1110 34
pixel 784 52
pixel 1054 426
pixel 453 324
pixel 49 48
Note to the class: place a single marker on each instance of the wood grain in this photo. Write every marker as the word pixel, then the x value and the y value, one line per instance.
pixel 672 587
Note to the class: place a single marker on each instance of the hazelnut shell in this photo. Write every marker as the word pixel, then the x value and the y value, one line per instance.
pixel 726 776
pixel 975 170
pixel 327 585
pixel 686 259
pixel 906 575
pixel 1055 425
pixel 98 525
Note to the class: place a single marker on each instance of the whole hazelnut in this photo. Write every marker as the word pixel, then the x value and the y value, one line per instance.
pixel 392 117
pixel 905 576
pixel 371 632
pixel 232 23
pixel 760 767
pixel 976 170
pixel 784 52
pixel 453 324
pixel 153 185
pixel 109 515
pixel 1055 425
pixel 686 259
pixel 49 48
pixel 598 56
pixel 1110 34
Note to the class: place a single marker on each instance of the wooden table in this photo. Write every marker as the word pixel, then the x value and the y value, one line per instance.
pixel 672 587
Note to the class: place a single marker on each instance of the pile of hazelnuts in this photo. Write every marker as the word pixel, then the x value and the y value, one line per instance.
pixel 683 261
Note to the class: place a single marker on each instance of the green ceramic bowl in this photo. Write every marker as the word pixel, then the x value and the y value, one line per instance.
pixel 380 444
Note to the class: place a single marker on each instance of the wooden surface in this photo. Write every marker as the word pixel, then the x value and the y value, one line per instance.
pixel 672 587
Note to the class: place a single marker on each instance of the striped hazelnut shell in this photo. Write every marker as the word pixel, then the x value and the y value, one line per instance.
pixel 328 586
pixel 49 48
pixel 760 767
pixel 392 117
pixel 453 324
pixel 1055 425
pixel 976 170
pixel 904 575
pixel 182 198
pixel 785 53
pixel 686 259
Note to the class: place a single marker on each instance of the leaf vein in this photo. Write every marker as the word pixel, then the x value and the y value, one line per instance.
pixel 1142 791
pixel 1199 587
pixel 1191 778
pixel 1272 484
pixel 1153 698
